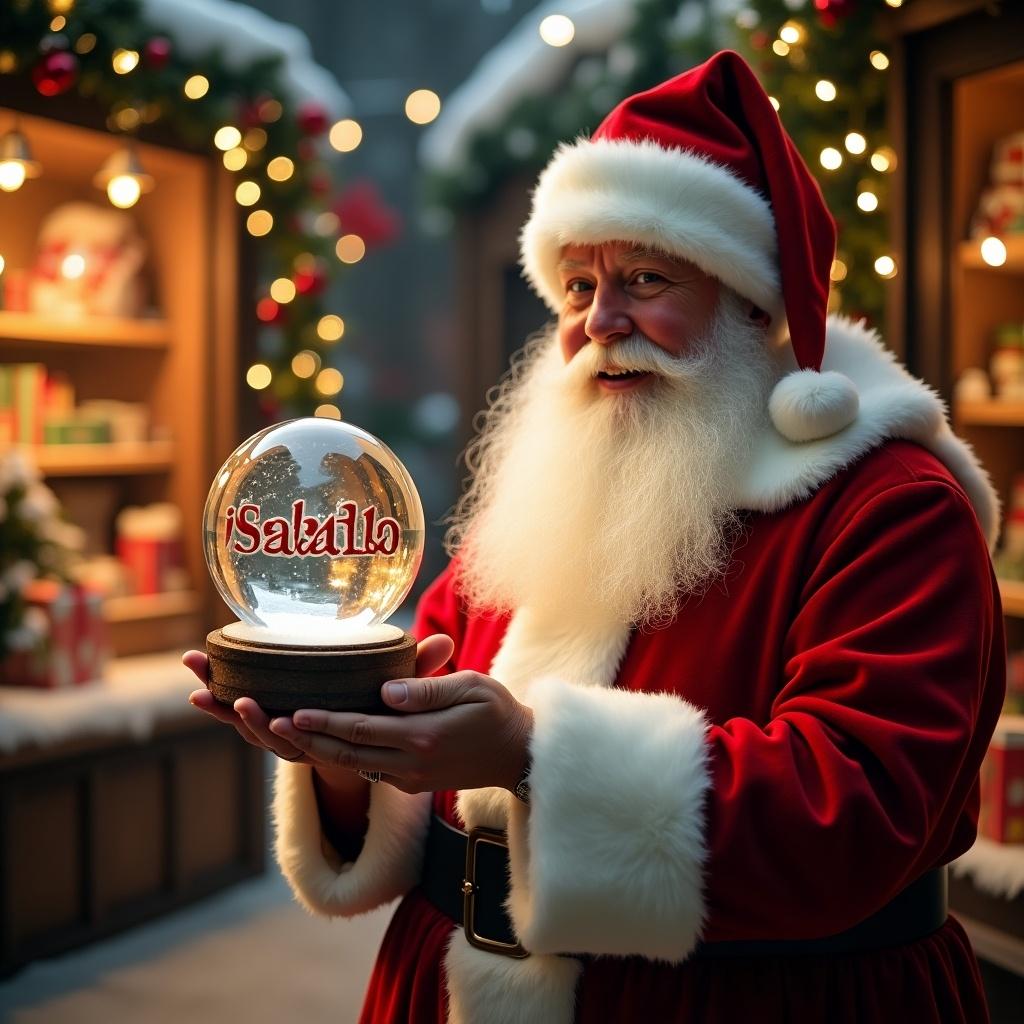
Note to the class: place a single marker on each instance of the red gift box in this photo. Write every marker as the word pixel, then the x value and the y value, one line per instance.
pixel 1002 783
pixel 148 545
pixel 74 649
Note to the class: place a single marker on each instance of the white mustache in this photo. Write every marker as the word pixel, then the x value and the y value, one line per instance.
pixel 637 352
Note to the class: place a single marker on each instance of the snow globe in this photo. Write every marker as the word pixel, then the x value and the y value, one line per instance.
pixel 313 534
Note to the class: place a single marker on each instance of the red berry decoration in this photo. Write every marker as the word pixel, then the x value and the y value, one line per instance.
pixel 363 211
pixel 55 73
pixel 312 119
pixel 268 311
pixel 156 53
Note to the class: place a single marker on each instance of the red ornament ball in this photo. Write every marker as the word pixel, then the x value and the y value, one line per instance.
pixel 311 281
pixel 55 73
pixel 156 53
pixel 268 311
pixel 831 12
pixel 312 119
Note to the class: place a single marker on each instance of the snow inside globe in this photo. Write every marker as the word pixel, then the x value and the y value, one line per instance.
pixel 313 533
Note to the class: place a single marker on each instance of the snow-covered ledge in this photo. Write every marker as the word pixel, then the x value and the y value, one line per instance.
pixel 994 868
pixel 135 695
pixel 242 34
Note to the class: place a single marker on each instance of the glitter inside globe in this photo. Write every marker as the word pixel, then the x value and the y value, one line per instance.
pixel 313 533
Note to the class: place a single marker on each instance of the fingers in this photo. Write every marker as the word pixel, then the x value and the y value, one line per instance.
pixel 257 721
pixel 357 729
pixel 197 663
pixel 413 695
pixel 433 653
pixel 325 749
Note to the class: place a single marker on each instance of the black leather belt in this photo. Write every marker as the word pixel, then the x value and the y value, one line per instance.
pixel 466 878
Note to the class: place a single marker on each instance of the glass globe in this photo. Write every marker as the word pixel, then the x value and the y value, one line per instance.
pixel 313 533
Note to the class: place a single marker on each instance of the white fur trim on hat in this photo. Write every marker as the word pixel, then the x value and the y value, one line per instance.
pixel 609 857
pixel 808 405
pixel 674 200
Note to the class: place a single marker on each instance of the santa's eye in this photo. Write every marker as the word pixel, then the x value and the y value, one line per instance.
pixel 647 277
pixel 577 285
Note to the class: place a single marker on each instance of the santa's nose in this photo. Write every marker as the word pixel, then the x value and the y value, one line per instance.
pixel 607 319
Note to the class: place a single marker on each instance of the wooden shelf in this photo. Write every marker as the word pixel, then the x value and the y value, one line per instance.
pixel 970 256
pixel 98 331
pixel 1012 593
pixel 151 606
pixel 995 413
pixel 102 459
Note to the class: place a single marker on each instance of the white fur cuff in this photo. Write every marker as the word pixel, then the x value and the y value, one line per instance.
pixel 608 859
pixel 387 867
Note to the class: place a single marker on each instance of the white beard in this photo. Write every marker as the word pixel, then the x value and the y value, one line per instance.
pixel 588 503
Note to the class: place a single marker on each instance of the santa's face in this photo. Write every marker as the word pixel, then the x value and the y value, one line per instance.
pixel 618 289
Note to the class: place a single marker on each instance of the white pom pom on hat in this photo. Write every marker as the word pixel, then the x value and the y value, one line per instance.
pixel 807 405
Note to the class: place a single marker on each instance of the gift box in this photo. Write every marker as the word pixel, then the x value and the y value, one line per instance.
pixel 149 547
pixel 73 648
pixel 1002 783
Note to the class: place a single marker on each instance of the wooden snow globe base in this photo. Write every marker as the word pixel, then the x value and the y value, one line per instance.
pixel 282 678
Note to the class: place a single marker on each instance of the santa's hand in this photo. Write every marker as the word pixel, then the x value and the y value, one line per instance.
pixel 459 731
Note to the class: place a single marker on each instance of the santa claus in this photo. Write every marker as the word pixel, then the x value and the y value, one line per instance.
pixel 702 697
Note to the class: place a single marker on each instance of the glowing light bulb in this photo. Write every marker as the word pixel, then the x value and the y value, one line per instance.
pixel 123 190
pixel 781 47
pixel 12 175
pixel 282 290
pixel 350 249
pixel 825 90
pixel 280 168
pixel 345 135
pixel 72 267
pixel 879 61
pixel 557 30
pixel 247 193
pixel 856 143
pixel 228 137
pixel 838 271
pixel 422 106
pixel 196 87
pixel 124 61
pixel 258 376
pixel 831 159
pixel 867 201
pixel 993 251
pixel 885 266
pixel 330 327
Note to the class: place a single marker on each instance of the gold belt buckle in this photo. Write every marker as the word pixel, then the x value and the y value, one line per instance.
pixel 469 891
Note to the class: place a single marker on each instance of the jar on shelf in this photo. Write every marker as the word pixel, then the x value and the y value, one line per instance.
pixel 1006 366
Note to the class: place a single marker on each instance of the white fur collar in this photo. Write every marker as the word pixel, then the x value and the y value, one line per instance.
pixel 892 405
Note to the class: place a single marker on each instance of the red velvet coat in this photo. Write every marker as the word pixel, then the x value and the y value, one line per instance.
pixel 851 669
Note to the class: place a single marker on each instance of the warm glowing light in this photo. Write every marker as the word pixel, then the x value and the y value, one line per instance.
pixel 856 143
pixel 254 140
pixel 838 271
pixel 72 266
pixel 557 30
pixel 267 310
pixel 328 412
pixel 825 90
pixel 774 102
pixel 258 376
pixel 422 106
pixel 280 168
pixel 58 23
pixel 270 111
pixel 123 190
pixel 85 43
pixel 884 159
pixel 326 223
pixel 993 251
pixel 127 119
pixel 247 193
pixel 867 201
pixel 8 62
pixel 305 364
pixel 197 86
pixel 781 47
pixel 831 159
pixel 330 327
pixel 346 135
pixel 2 264
pixel 885 266
pixel 350 248
pixel 894 3
pixel 60 6
pixel 282 290
pixel 259 223
pixel 329 381
pixel 12 175
pixel 879 60
pixel 235 159
pixel 227 137
pixel 792 32
pixel 124 61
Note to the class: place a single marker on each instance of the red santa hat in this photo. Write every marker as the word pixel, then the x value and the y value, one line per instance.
pixel 701 167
